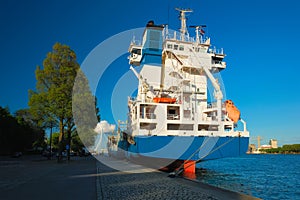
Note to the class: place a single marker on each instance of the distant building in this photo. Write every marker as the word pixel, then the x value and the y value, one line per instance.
pixel 265 146
pixel 252 148
pixel 273 143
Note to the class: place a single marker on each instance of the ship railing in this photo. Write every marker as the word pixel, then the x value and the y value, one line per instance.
pixel 136 42
pixel 147 116
pixel 186 117
pixel 132 99
pixel 218 62
pixel 216 51
pixel 214 105
pixel 173 117
pixel 175 35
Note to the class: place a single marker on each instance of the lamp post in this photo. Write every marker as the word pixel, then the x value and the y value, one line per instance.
pixel 50 140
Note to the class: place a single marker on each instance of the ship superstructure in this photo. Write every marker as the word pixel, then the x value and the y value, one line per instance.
pixel 171 118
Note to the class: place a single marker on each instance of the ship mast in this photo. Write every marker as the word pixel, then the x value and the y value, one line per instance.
pixel 197 29
pixel 183 29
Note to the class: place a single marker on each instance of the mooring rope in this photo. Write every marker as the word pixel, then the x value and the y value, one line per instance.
pixel 180 169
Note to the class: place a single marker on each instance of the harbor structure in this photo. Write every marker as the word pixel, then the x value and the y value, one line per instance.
pixel 273 143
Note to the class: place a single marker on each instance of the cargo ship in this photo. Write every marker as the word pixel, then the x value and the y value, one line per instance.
pixel 175 119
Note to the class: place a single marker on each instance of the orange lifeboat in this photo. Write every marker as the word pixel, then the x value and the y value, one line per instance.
pixel 164 100
pixel 232 111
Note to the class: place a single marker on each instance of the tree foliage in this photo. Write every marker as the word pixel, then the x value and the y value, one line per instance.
pixel 288 148
pixel 19 132
pixel 77 144
pixel 52 100
pixel 51 104
pixel 85 110
pixel 55 141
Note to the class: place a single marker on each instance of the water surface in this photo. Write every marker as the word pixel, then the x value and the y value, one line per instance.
pixel 263 176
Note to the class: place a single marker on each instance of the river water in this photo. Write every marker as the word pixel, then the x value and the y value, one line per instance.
pixel 263 176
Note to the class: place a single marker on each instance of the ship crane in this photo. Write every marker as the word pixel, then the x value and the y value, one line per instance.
pixel 217 89
pixel 217 93
pixel 145 85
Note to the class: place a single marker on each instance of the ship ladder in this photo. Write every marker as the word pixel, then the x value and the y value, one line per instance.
pixel 185 164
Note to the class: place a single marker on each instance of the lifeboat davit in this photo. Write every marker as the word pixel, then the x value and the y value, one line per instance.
pixel 232 111
pixel 164 100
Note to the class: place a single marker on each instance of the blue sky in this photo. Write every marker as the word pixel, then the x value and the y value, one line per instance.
pixel 260 38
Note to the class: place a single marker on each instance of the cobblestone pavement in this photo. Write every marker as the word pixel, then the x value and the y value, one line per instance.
pixel 113 184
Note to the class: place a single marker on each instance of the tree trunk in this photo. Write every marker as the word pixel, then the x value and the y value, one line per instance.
pixel 69 132
pixel 69 143
pixel 60 139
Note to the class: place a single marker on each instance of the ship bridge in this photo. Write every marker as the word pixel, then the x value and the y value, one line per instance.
pixel 188 54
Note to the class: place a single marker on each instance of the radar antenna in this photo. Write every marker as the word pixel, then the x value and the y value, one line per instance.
pixel 183 29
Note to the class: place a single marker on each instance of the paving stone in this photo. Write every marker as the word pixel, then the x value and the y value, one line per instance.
pixel 113 184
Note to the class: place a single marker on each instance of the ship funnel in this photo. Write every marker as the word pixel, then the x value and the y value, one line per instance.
pixel 150 23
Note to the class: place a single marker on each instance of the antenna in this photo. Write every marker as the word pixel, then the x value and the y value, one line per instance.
pixel 197 27
pixel 168 11
pixel 183 29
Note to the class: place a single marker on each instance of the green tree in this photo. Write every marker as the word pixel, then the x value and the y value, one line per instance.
pixel 51 103
pixel 85 110
pixel 288 148
pixel 53 96
pixel 8 131
pixel 77 144
pixel 55 141
pixel 18 132
pixel 34 135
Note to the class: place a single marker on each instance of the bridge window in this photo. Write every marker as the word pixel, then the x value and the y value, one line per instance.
pixel 136 51
pixel 173 113
pixel 148 126
pixel 147 111
pixel 180 127
pixel 206 127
